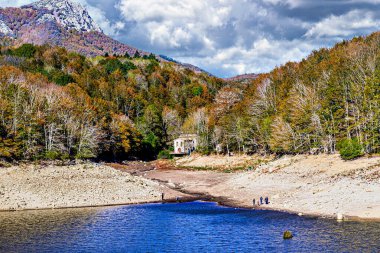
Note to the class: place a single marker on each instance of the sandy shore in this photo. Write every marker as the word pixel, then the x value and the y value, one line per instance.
pixel 42 187
pixel 322 185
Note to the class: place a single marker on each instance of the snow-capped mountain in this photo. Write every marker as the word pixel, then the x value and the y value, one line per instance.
pixel 5 30
pixel 66 24
pixel 68 14
pixel 59 23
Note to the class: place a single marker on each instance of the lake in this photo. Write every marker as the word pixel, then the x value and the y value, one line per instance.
pixel 185 227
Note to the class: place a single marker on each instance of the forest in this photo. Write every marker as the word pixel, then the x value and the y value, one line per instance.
pixel 56 104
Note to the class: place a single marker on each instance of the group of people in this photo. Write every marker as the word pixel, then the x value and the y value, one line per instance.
pixel 261 201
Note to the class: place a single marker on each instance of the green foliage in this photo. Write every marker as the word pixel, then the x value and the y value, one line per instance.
pixel 113 64
pixel 116 107
pixel 350 149
pixel 128 65
pixel 152 141
pixel 152 67
pixel 137 54
pixel 150 57
pixel 85 154
pixel 164 154
pixel 61 78
pixel 197 91
pixel 26 50
pixel 126 55
pixel 52 155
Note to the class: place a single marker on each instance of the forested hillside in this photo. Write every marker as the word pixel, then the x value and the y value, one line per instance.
pixel 56 104
pixel 327 102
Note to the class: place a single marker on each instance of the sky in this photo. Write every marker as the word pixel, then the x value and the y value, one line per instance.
pixel 231 37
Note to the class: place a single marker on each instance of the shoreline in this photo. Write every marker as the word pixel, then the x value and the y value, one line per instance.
pixel 226 202
pixel 34 187
pixel 300 184
pixel 221 201
pixel 318 186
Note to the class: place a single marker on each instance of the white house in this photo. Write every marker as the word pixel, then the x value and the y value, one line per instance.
pixel 185 144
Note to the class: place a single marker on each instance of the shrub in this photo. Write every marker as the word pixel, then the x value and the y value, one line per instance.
pixel 164 154
pixel 62 78
pixel 197 90
pixel 52 155
pixel 350 149
pixel 26 50
pixel 129 66
pixel 151 67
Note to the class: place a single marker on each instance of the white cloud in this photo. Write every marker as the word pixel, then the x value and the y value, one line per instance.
pixel 344 25
pixel 99 16
pixel 228 37
pixel 176 23
pixel 14 3
pixel 262 56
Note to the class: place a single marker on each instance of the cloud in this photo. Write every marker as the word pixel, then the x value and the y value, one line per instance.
pixel 345 25
pixel 14 3
pixel 263 54
pixel 229 37
pixel 177 24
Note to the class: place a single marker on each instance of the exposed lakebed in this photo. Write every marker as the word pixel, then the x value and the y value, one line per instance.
pixel 185 227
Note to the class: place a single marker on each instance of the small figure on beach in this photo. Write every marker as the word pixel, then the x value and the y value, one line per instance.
pixel 163 196
pixel 266 200
pixel 261 200
pixel 254 202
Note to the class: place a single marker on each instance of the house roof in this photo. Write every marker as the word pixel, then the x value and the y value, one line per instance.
pixel 187 136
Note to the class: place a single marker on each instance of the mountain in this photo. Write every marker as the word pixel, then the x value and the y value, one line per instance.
pixel 59 23
pixel 66 24
pixel 186 65
pixel 242 78
pixel 4 29
pixel 66 13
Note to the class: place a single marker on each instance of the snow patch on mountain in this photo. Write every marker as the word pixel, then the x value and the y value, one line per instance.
pixel 68 14
pixel 4 29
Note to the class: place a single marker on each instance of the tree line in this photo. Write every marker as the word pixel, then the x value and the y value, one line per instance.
pixel 56 104
pixel 326 103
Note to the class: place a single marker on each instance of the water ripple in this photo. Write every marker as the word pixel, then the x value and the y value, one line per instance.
pixel 187 227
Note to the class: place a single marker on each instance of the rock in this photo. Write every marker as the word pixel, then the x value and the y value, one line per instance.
pixel 171 185
pixel 287 235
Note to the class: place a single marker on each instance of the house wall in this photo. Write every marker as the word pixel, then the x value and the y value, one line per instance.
pixel 182 145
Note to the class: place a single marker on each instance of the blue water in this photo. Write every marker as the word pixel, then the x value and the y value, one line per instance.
pixel 186 227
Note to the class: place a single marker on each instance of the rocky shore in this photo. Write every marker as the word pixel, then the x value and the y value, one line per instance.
pixel 84 185
pixel 321 185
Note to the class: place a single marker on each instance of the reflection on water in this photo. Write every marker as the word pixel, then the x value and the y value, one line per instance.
pixel 18 230
pixel 188 227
